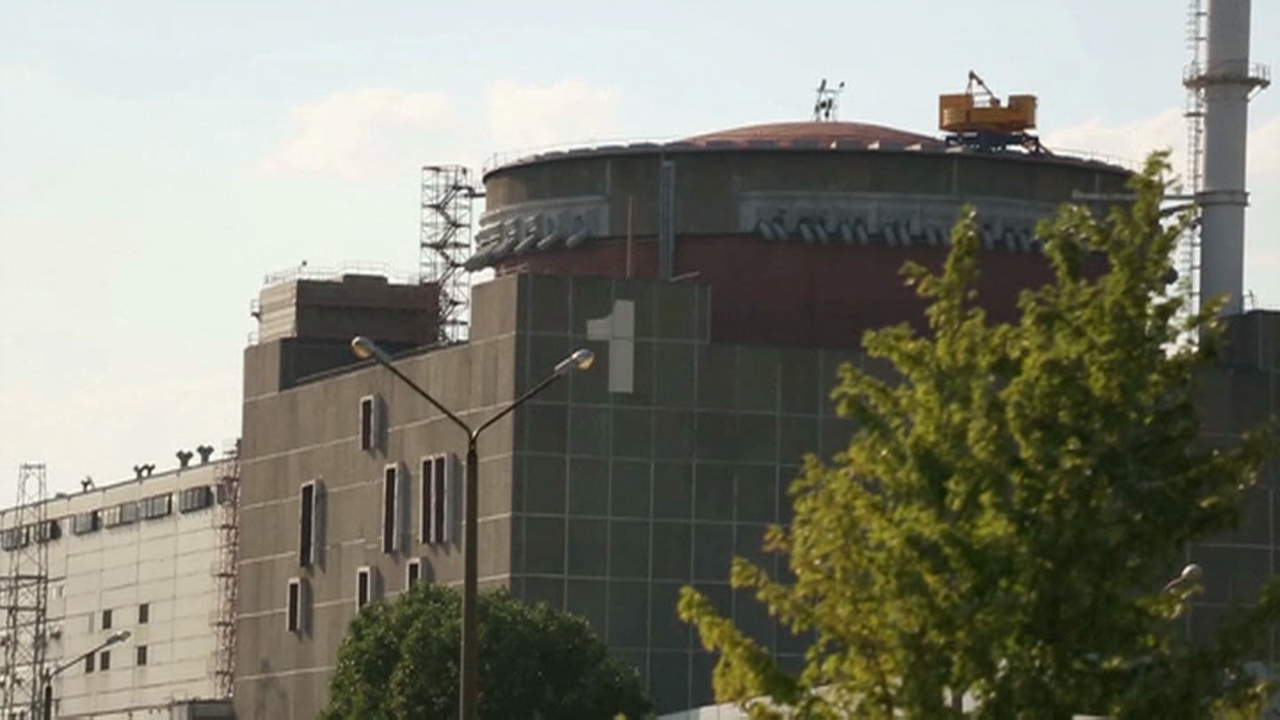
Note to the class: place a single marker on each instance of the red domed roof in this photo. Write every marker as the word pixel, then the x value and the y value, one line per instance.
pixel 822 134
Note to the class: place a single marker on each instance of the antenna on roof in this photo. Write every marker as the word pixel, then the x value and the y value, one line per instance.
pixel 827 105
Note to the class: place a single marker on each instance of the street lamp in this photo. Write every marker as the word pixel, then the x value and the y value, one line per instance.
pixel 1184 586
pixel 118 636
pixel 1189 574
pixel 578 360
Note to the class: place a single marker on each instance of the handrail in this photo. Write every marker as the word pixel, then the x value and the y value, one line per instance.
pixel 508 157
pixel 1095 156
pixel 1242 70
pixel 307 272
pixel 511 157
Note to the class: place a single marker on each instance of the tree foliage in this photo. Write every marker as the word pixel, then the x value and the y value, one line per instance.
pixel 400 660
pixel 1006 517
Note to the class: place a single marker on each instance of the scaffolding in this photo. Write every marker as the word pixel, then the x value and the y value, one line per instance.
pixel 1193 112
pixel 445 243
pixel 25 537
pixel 227 520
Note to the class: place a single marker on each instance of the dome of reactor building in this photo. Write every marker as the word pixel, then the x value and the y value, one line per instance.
pixel 800 229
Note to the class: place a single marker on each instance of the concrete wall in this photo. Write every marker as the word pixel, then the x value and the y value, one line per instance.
pixel 305 326
pixel 605 494
pixel 311 433
pixel 631 485
pixel 602 496
pixel 370 306
pixel 801 249
pixel 1234 398
pixel 799 295
pixel 331 308
pixel 710 182
pixel 165 563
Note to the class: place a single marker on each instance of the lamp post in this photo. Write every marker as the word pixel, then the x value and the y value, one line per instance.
pixel 1183 587
pixel 46 711
pixel 580 359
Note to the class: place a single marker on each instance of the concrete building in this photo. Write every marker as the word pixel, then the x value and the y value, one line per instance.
pixel 137 556
pixel 1239 395
pixel 604 496
pixel 720 282
pixel 800 229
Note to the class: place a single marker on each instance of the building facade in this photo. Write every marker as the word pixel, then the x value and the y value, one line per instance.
pixel 135 560
pixel 603 496
pixel 799 229
pixel 720 282
pixel 1239 395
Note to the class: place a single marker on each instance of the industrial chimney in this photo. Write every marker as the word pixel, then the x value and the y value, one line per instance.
pixel 1228 81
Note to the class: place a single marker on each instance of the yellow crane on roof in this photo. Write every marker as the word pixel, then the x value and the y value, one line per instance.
pixel 978 118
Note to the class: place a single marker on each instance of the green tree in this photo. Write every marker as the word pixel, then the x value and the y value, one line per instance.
pixel 1013 502
pixel 400 660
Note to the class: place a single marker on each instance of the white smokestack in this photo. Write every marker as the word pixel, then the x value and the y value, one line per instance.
pixel 1228 81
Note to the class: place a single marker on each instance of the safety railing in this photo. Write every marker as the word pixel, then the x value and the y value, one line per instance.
pixel 508 157
pixel 307 272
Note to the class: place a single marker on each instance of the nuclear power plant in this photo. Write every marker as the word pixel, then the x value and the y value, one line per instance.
pixel 718 282
pixel 799 230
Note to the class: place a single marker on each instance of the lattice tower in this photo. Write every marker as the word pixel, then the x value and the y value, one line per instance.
pixel 26 593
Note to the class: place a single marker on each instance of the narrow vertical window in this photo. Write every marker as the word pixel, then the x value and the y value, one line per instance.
pixel 390 508
pixel 413 573
pixel 306 525
pixel 364 587
pixel 88 662
pixel 368 422
pixel 441 513
pixel 104 660
pixel 141 655
pixel 106 621
pixel 437 496
pixel 294 607
pixel 144 613
pixel 428 493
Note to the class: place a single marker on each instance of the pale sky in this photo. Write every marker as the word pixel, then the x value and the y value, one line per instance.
pixel 158 158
